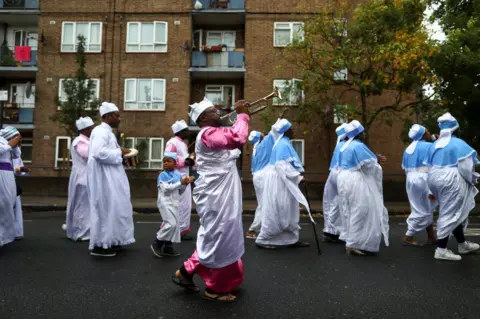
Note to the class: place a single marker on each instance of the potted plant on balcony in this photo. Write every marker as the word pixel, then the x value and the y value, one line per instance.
pixel 6 56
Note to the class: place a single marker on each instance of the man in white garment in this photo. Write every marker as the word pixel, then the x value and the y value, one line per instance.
pixel 422 202
pixel 360 195
pixel 111 213
pixel 452 179
pixel 78 206
pixel 20 170
pixel 331 212
pixel 177 145
pixel 10 138
pixel 282 198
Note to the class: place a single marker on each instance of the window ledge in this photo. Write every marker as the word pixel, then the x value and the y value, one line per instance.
pixel 143 110
pixel 149 52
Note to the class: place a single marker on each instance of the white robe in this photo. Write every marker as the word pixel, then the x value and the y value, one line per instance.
pixel 168 204
pixel 8 193
pixel 17 164
pixel 422 207
pixel 455 192
pixel 218 198
pixel 364 216
pixel 331 211
pixel 111 213
pixel 259 185
pixel 78 207
pixel 185 210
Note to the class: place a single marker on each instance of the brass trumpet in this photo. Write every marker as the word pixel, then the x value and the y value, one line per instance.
pixel 251 106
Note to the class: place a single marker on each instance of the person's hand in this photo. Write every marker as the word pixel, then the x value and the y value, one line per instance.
pixel 241 107
pixel 125 151
pixel 185 180
pixel 14 142
pixel 381 159
pixel 24 169
pixel 191 179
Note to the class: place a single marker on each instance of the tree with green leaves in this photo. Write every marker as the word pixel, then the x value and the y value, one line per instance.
pixel 79 99
pixel 458 63
pixel 383 47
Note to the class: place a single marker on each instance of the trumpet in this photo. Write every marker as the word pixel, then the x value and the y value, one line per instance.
pixel 190 160
pixel 253 107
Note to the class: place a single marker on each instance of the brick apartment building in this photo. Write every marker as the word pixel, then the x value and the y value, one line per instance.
pixel 154 58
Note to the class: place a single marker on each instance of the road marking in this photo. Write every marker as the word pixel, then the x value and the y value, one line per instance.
pixel 472 232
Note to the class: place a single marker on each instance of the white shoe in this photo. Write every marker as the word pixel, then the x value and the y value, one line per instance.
pixel 84 239
pixel 64 227
pixel 446 254
pixel 467 247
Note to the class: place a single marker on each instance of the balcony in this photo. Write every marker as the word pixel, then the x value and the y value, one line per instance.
pixel 17 5
pixel 19 115
pixel 16 64
pixel 218 12
pixel 227 65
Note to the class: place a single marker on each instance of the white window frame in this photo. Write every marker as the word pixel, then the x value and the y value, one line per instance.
pixel 57 140
pixel 139 35
pixel 125 101
pixel 278 26
pixel 23 105
pixel 150 150
pixel 210 87
pixel 289 100
pixel 302 142
pixel 87 43
pixel 28 144
pixel 339 118
pixel 60 86
pixel 222 32
pixel 340 75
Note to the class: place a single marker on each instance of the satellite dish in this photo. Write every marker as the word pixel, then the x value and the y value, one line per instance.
pixel 28 90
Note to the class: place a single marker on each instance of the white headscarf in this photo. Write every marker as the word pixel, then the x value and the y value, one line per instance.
pixel 254 138
pixel 340 131
pixel 279 128
pixel 448 124
pixel 416 133
pixel 352 129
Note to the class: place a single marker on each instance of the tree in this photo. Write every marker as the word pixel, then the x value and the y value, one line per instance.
pixel 458 63
pixel 382 44
pixel 79 99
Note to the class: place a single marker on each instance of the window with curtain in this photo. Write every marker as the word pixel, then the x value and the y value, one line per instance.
pixel 144 94
pixel 147 36
pixel 221 37
pixel 285 32
pixel 92 31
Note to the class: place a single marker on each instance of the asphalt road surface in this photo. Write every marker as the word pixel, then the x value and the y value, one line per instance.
pixel 48 276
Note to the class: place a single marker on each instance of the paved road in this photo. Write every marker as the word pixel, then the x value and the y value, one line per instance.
pixel 47 276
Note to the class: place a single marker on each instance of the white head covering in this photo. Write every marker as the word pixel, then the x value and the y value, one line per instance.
pixel 254 138
pixel 340 131
pixel 84 122
pixel 448 124
pixel 8 132
pixel 179 126
pixel 416 133
pixel 199 108
pixel 107 107
pixel 352 129
pixel 279 128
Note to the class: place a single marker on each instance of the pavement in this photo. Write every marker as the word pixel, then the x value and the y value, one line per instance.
pixel 149 205
pixel 47 276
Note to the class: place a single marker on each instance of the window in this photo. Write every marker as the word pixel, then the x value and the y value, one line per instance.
pixel 341 27
pixel 221 37
pixel 26 150
pixel 341 75
pixel 92 31
pixel 63 96
pixel 299 147
pixel 62 152
pixel 26 38
pixel 150 151
pixel 340 114
pixel 144 94
pixel 285 32
pixel 290 91
pixel 221 95
pixel 17 96
pixel 147 36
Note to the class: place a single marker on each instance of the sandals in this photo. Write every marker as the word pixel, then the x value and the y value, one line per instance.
pixel 266 246
pixel 411 243
pixel 223 298
pixel 189 287
pixel 300 244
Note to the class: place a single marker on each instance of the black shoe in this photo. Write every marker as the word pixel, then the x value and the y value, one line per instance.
pixel 157 249
pixel 187 237
pixel 169 251
pixel 100 252
pixel 330 238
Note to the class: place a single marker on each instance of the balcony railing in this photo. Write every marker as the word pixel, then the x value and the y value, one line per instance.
pixel 19 4
pixel 220 4
pixel 202 59
pixel 18 113
pixel 7 57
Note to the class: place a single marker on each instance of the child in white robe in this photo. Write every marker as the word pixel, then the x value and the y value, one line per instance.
pixel 170 186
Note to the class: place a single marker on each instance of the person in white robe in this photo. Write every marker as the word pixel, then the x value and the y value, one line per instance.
pixel 10 138
pixel 170 185
pixel 360 195
pixel 177 145
pixel 20 170
pixel 282 198
pixel 331 212
pixel 452 179
pixel 262 150
pixel 218 198
pixel 78 206
pixel 422 202
pixel 111 213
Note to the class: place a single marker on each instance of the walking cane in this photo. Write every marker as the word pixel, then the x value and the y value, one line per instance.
pixel 313 224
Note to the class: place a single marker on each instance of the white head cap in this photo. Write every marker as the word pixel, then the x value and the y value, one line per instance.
pixel 352 129
pixel 254 137
pixel 281 126
pixel 179 126
pixel 198 108
pixel 448 124
pixel 84 122
pixel 340 131
pixel 107 107
pixel 416 133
